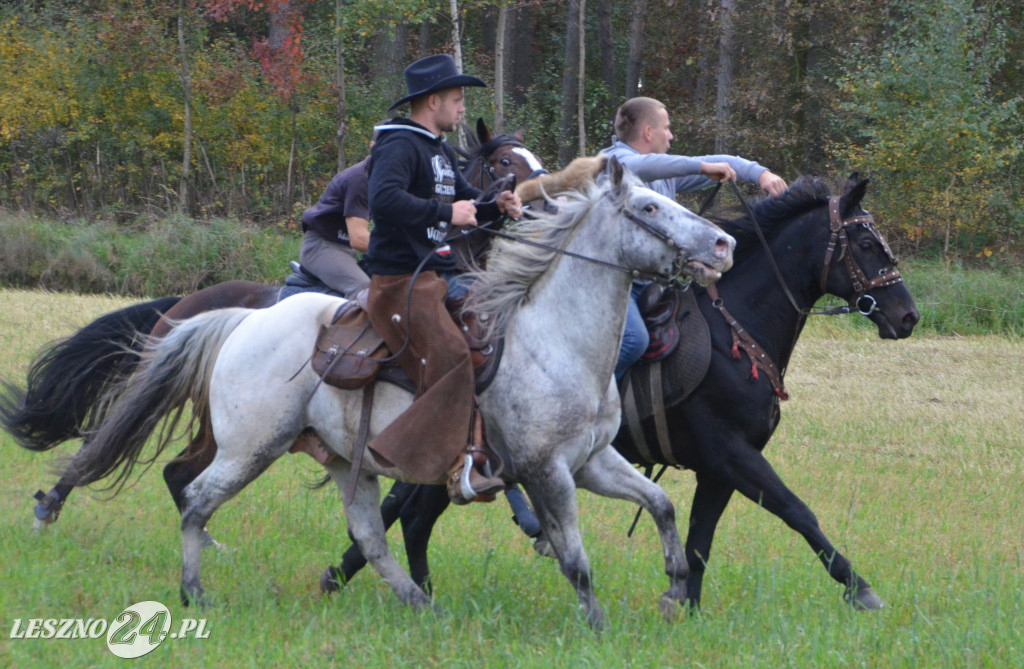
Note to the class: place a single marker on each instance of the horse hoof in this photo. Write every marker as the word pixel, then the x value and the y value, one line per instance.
pixel 208 541
pixel 195 597
pixel 331 581
pixel 543 548
pixel 864 599
pixel 671 608
pixel 595 619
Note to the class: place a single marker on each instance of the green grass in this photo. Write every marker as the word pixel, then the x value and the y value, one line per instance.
pixel 173 256
pixel 908 452
pixel 176 256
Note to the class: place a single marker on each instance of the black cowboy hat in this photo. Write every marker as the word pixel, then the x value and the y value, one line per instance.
pixel 433 74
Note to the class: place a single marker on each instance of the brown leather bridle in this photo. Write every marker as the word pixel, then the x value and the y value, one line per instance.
pixel 862 284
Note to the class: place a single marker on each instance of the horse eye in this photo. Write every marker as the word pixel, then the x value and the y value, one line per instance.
pixel 506 162
pixel 650 209
pixel 865 245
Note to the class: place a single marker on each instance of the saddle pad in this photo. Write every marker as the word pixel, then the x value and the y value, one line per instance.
pixel 684 369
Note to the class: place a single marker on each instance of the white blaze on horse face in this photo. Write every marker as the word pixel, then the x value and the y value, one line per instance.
pixel 530 159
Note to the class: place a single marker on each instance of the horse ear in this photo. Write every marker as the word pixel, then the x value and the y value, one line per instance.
pixel 482 132
pixel 518 134
pixel 617 175
pixel 853 193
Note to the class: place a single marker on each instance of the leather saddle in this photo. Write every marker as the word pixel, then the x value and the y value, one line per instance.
pixel 350 354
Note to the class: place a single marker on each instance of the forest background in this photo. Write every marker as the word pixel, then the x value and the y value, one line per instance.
pixel 124 113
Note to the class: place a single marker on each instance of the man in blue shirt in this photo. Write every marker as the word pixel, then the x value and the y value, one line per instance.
pixel 642 141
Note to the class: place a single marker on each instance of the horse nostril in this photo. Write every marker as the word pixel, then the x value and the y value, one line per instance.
pixel 911 318
pixel 721 248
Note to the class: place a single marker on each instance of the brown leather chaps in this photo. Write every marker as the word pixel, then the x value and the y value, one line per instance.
pixel 432 432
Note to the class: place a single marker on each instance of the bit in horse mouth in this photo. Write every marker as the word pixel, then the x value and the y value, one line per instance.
pixel 701 273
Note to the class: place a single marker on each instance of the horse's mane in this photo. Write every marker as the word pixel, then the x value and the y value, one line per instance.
pixel 774 213
pixel 500 290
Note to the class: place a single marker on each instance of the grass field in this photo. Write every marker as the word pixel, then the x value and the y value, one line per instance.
pixel 910 453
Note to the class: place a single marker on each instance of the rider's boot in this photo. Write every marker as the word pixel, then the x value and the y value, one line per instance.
pixel 470 478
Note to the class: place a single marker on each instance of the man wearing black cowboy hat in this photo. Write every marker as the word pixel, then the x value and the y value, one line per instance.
pixel 416 196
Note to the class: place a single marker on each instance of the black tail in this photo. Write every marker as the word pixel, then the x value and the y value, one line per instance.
pixel 69 376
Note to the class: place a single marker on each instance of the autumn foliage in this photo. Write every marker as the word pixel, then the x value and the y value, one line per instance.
pixel 922 97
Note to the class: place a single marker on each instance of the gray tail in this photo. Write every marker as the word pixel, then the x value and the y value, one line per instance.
pixel 172 371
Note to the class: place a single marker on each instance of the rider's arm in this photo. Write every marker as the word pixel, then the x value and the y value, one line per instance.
pixel 685 171
pixel 358 232
pixel 746 170
pixel 465 191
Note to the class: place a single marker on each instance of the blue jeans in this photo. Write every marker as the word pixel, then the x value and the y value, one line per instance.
pixel 635 338
pixel 458 284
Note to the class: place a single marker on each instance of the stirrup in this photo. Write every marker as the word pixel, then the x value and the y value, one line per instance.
pixel 460 484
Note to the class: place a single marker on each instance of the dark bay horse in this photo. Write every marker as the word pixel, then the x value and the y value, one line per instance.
pixel 64 383
pixel 721 428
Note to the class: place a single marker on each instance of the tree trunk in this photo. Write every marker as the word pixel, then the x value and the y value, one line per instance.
pixel 290 184
pixel 581 76
pixel 389 58
pixel 339 80
pixel 607 46
pixel 569 83
pixel 453 6
pixel 278 30
pixel 424 39
pixel 499 68
pixel 186 87
pixel 725 68
pixel 521 56
pixel 636 48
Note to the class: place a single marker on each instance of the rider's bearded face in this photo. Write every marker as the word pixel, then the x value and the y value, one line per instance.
pixel 450 110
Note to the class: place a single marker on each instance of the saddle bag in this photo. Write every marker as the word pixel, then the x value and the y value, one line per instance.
pixel 349 352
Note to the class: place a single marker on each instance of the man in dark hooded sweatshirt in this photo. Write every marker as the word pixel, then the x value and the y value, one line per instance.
pixel 416 195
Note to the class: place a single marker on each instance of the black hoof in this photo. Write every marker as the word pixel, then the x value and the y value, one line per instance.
pixel 331 581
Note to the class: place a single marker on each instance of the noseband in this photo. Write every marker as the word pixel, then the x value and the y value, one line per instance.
pixel 862 284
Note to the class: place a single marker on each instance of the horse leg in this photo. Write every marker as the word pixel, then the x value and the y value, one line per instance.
pixel 709 502
pixel 553 494
pixel 186 466
pixel 419 515
pixel 49 505
pixel 754 477
pixel 353 560
pixel 608 474
pixel 366 527
pixel 419 507
pixel 218 483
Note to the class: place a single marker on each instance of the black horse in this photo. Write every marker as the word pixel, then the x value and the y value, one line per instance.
pixel 720 428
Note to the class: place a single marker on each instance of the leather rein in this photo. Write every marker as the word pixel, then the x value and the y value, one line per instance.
pixel 622 210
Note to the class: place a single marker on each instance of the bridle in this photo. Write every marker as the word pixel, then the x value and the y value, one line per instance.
pixel 862 284
pixel 622 209
pixel 865 304
pixel 488 171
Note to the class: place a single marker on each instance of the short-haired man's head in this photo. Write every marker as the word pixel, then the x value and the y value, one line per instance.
pixel 633 115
